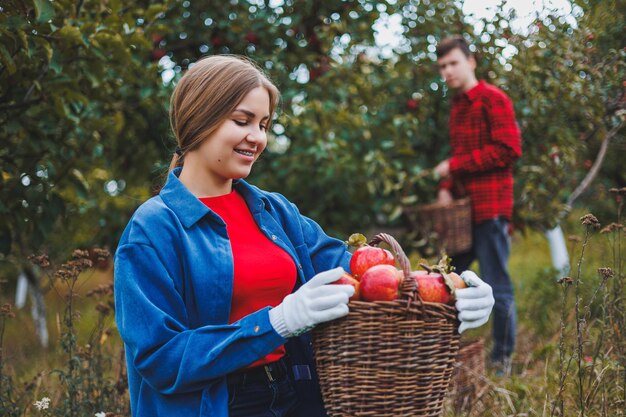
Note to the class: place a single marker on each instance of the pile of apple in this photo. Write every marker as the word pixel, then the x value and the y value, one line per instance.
pixel 376 278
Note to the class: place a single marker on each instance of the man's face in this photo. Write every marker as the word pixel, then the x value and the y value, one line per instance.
pixel 456 69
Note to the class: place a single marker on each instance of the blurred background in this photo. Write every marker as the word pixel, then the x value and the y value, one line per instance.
pixel 84 88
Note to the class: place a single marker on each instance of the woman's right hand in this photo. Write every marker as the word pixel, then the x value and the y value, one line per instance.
pixel 313 303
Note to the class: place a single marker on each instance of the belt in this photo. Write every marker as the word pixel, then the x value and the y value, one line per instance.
pixel 270 372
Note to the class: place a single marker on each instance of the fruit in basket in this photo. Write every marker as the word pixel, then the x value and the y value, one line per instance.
pixel 457 280
pixel 365 256
pixel 347 279
pixel 432 287
pixel 381 283
pixel 437 284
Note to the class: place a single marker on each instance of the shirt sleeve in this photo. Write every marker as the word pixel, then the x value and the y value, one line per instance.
pixel 445 184
pixel 170 355
pixel 505 144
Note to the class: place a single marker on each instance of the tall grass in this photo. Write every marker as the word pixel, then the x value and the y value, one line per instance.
pixel 570 360
pixel 84 374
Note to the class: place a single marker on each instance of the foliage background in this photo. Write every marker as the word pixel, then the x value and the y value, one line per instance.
pixel 84 90
pixel 83 107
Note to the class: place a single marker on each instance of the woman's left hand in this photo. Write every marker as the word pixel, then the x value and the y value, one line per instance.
pixel 474 303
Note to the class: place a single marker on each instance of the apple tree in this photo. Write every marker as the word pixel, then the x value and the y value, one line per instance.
pixel 82 120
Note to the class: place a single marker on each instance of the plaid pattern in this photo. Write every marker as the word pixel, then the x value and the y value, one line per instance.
pixel 485 142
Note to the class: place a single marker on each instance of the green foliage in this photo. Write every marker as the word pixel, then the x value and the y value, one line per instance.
pixel 91 375
pixel 566 83
pixel 81 108
pixel 356 125
pixel 364 123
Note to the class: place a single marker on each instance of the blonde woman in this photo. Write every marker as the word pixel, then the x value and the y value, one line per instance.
pixel 216 281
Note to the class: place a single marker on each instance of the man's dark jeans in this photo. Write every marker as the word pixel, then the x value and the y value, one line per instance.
pixel 491 246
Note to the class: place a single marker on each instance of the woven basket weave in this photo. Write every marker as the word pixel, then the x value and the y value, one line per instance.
pixel 449 225
pixel 388 358
pixel 469 374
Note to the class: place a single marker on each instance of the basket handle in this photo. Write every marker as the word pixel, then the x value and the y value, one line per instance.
pixel 409 286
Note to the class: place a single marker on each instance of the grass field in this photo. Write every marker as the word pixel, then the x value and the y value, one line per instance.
pixel 533 390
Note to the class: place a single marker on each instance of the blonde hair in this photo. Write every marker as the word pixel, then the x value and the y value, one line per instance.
pixel 207 94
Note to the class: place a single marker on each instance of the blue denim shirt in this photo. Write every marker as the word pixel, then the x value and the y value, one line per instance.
pixel 173 290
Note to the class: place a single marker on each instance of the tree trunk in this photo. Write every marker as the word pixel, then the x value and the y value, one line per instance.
pixel 558 250
pixel 38 307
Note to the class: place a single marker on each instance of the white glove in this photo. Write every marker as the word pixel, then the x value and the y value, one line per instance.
pixel 313 303
pixel 473 303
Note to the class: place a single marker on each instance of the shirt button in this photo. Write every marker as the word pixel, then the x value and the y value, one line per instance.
pixel 256 329
pixel 274 237
pixel 299 266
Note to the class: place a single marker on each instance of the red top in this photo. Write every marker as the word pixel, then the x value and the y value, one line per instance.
pixel 485 142
pixel 264 273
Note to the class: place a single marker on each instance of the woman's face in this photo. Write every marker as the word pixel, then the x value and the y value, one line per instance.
pixel 232 149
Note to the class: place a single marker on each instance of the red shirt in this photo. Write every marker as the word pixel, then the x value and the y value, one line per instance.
pixel 485 142
pixel 264 273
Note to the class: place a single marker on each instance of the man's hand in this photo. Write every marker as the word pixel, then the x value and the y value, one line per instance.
pixel 444 196
pixel 443 168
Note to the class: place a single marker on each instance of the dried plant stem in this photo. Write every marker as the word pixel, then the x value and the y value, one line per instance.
pixel 71 341
pixel 600 343
pixel 2 327
pixel 562 371
pixel 579 326
pixel 616 315
pixel 618 305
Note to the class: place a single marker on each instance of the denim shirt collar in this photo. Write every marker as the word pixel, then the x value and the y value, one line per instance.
pixel 189 209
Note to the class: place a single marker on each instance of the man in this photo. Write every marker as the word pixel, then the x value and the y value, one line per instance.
pixel 484 142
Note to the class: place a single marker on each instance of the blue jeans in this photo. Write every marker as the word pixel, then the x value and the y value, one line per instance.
pixel 252 394
pixel 491 246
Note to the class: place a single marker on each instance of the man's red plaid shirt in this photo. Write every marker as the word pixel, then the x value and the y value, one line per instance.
pixel 485 142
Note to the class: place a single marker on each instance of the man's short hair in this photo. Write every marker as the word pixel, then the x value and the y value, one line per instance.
pixel 453 42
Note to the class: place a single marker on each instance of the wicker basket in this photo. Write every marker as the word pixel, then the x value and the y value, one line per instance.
pixel 450 226
pixel 469 374
pixel 388 358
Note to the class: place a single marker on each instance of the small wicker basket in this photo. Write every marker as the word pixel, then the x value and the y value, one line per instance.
pixel 469 374
pixel 388 358
pixel 450 226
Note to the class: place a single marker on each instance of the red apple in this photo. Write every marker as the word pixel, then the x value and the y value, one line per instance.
pixel 432 287
pixel 381 283
pixel 217 41
pixel 411 104
pixel 348 279
pixel 366 257
pixel 157 54
pixel 314 73
pixel 252 37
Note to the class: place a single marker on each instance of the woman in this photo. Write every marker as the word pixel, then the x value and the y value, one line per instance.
pixel 217 281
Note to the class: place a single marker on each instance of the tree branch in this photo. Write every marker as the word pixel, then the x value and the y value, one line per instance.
pixel 79 5
pixel 595 168
pixel 19 105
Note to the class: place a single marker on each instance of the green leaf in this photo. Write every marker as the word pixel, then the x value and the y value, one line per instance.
pixel 72 35
pixel 55 61
pixel 7 60
pixel 44 10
